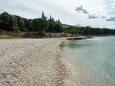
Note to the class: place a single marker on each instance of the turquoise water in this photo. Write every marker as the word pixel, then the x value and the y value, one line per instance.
pixel 95 57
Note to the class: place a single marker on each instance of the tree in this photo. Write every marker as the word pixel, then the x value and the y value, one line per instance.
pixel 43 16
pixel 29 25
pixel 51 24
pixel 58 28
pixel 13 23
pixel 6 22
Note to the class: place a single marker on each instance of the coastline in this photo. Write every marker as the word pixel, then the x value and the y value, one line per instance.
pixel 35 62
pixel 76 77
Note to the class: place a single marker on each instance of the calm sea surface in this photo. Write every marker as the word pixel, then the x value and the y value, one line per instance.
pixel 95 57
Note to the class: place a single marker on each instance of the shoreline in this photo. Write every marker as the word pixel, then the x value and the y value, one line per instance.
pixel 36 62
pixel 76 77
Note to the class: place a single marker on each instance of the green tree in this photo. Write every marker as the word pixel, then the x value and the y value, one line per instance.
pixel 58 27
pixel 6 22
pixel 51 25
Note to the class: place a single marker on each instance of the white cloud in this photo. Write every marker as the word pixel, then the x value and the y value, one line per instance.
pixel 63 9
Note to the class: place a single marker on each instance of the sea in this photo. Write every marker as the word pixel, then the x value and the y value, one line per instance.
pixel 95 57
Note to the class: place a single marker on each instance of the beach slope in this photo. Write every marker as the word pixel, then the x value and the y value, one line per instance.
pixel 34 62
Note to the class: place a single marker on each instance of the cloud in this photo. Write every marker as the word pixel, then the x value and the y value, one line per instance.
pixel 103 17
pixel 90 11
pixel 109 7
pixel 92 17
pixel 84 11
pixel 111 19
pixel 81 9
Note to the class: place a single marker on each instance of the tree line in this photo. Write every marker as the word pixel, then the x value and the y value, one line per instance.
pixel 14 23
pixel 88 30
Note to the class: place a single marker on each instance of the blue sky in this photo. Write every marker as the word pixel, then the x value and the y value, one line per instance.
pixel 97 13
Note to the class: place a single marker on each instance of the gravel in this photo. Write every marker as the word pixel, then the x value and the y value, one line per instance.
pixel 35 62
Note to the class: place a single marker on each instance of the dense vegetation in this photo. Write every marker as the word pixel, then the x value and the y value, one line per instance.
pixel 13 23
pixel 89 30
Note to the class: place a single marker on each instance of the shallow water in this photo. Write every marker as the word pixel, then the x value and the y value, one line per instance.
pixel 95 57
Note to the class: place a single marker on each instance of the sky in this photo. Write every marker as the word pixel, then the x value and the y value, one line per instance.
pixel 95 13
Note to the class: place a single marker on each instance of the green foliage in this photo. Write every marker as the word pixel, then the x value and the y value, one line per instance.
pixel 88 30
pixel 6 22
pixel 16 29
pixel 13 23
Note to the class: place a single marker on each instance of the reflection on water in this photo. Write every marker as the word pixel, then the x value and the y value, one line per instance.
pixel 96 57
